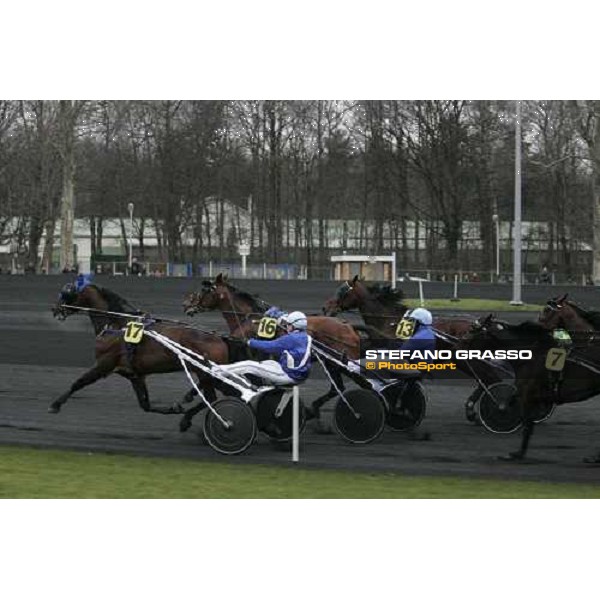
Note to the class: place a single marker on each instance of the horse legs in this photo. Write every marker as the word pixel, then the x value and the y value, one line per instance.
pixel 528 397
pixel 314 411
pixel 98 371
pixel 470 404
pixel 525 437
pixel 210 395
pixel 141 391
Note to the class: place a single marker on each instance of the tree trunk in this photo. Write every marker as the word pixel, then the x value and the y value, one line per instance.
pixel 595 152
pixel 48 245
pixel 68 117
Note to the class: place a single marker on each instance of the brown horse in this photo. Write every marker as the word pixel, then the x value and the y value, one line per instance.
pixel 561 313
pixel 134 363
pixel 383 307
pixel 242 311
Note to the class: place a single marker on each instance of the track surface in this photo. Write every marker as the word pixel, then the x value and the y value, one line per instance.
pixel 40 357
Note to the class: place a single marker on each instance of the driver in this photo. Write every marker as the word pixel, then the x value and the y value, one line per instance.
pixel 422 338
pixel 292 349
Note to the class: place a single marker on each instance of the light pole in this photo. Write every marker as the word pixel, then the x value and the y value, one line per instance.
pixel 130 206
pixel 517 230
pixel 496 220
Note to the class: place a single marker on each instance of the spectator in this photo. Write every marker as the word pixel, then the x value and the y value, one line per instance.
pixel 136 268
pixel 545 275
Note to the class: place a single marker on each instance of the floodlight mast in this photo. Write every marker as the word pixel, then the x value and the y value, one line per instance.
pixel 517 271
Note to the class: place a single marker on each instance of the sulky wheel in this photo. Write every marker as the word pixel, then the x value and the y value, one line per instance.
pixel 543 411
pixel 278 426
pixel 499 410
pixel 407 402
pixel 240 431
pixel 360 418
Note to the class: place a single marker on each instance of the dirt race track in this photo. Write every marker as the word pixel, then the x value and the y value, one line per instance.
pixel 40 357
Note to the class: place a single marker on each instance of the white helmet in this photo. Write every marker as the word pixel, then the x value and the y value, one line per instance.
pixel 422 315
pixel 296 319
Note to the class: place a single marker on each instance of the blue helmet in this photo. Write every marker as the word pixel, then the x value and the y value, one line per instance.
pixel 274 312
pixel 82 281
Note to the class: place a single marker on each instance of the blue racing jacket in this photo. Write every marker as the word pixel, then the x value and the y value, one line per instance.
pixel 293 351
pixel 424 339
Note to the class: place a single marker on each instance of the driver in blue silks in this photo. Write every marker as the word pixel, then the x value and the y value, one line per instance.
pixel 423 337
pixel 292 349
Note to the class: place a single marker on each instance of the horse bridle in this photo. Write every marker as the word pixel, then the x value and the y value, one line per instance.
pixel 60 312
pixel 341 293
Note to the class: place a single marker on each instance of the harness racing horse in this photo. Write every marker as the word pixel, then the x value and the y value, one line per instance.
pixel 242 311
pixel 563 313
pixel 382 308
pixel 114 355
pixel 538 383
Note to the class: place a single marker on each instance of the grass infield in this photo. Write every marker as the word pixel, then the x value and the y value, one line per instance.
pixel 33 473
pixel 475 304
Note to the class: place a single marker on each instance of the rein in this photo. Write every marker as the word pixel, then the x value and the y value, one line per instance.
pixel 139 317
pixel 463 317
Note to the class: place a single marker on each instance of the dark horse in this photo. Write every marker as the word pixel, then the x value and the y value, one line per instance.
pixel 382 307
pixel 242 312
pixel 560 312
pixel 134 363
pixel 536 385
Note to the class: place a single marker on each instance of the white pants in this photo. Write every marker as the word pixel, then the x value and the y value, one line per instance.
pixel 269 370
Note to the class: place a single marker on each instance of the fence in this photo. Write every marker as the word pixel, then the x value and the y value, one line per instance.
pixel 253 271
pixel 207 270
pixel 283 271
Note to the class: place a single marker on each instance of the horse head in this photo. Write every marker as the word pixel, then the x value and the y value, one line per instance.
pixel 481 331
pixel 345 298
pixel 553 315
pixel 205 300
pixel 68 296
pixel 77 293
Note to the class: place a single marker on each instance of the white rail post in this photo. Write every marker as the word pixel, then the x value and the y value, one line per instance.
pixel 455 296
pixel 295 424
pixel 422 300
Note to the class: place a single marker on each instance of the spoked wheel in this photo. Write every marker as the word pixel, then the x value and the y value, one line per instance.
pixel 361 418
pixel 543 411
pixel 499 410
pixel 240 431
pixel 274 415
pixel 407 402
